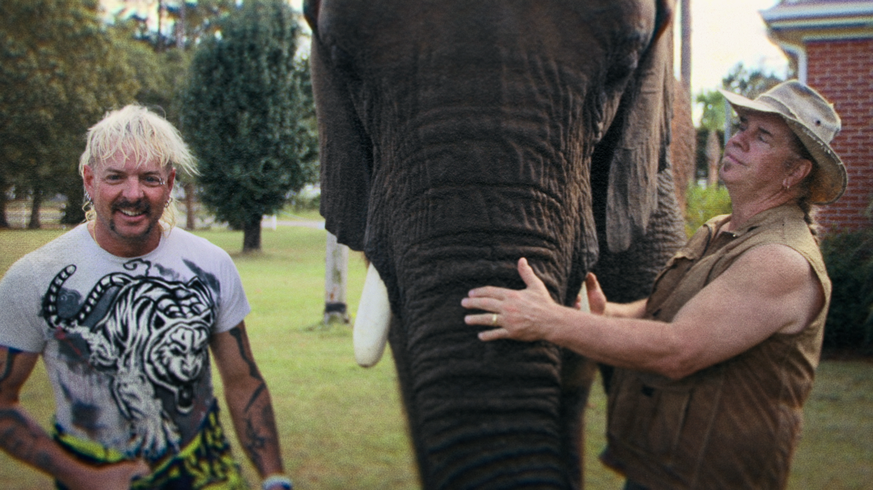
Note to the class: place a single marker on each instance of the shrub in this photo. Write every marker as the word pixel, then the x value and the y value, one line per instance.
pixel 849 260
pixel 703 203
pixel 307 199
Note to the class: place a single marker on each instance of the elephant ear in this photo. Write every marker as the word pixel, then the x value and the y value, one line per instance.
pixel 345 148
pixel 642 146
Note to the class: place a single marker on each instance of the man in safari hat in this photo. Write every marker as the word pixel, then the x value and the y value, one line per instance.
pixel 714 367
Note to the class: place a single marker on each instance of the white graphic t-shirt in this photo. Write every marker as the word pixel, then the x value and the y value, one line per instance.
pixel 125 341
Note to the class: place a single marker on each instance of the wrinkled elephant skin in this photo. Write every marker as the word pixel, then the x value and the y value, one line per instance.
pixel 459 135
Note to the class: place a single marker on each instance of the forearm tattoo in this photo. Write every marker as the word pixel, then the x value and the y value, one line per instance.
pixel 255 442
pixel 19 436
pixel 20 439
pixel 260 422
pixel 7 366
pixel 241 345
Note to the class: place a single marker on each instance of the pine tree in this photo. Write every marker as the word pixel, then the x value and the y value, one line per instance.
pixel 59 72
pixel 248 117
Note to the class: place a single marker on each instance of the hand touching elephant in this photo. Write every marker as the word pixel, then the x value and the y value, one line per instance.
pixel 457 136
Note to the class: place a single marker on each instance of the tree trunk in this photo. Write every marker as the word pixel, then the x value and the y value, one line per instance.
pixel 180 26
pixel 252 235
pixel 3 222
pixel 34 223
pixel 160 47
pixel 683 147
pixel 73 212
pixel 190 218
pixel 713 155
pixel 686 47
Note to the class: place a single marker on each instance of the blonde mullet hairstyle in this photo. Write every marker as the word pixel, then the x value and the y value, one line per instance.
pixel 148 137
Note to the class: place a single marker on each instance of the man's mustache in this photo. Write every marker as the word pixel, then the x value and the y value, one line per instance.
pixel 135 206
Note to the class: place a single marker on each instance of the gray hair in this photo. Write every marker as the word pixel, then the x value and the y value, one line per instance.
pixel 803 200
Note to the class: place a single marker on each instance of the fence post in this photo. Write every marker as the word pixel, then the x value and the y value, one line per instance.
pixel 335 279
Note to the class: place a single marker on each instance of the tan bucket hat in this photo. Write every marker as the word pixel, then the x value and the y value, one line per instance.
pixel 814 120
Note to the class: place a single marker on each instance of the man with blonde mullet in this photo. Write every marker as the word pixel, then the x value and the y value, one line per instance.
pixel 124 310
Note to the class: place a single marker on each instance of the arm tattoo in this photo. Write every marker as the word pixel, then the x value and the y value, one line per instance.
pixel 20 438
pixel 253 369
pixel 255 395
pixel 258 435
pixel 7 366
pixel 260 432
pixel 255 443
pixel 240 342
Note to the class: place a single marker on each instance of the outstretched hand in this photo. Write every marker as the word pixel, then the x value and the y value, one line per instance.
pixel 519 314
pixel 129 471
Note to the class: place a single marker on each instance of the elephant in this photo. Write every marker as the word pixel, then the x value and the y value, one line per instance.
pixel 457 136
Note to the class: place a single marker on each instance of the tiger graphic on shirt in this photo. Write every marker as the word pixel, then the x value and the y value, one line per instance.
pixel 149 334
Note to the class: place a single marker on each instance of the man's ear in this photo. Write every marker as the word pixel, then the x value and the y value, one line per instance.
pixel 802 168
pixel 88 179
pixel 171 179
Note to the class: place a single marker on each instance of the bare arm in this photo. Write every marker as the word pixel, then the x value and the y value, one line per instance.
pixel 23 439
pixel 248 400
pixel 769 289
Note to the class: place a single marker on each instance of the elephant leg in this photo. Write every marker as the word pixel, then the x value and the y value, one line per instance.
pixel 577 377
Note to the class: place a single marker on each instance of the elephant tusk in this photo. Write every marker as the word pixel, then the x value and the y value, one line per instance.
pixel 371 324
pixel 583 299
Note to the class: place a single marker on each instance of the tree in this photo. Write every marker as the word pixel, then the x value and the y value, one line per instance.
pixel 160 76
pixel 713 115
pixel 187 22
pixel 168 30
pixel 749 82
pixel 248 118
pixel 685 58
pixel 55 81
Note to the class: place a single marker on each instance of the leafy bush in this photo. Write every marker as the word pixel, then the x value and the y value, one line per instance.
pixel 307 199
pixel 703 203
pixel 849 260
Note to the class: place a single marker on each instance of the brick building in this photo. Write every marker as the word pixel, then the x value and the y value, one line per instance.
pixel 830 44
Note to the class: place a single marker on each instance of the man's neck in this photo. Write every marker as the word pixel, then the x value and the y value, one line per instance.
pixel 743 210
pixel 124 248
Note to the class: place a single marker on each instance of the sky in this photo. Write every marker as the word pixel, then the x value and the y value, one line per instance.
pixel 724 33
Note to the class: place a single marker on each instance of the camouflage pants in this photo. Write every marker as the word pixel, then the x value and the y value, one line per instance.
pixel 205 463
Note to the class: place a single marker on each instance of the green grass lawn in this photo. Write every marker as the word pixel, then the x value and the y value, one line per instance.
pixel 342 426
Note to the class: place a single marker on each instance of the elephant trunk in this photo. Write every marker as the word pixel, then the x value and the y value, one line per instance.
pixel 453 206
pixel 484 415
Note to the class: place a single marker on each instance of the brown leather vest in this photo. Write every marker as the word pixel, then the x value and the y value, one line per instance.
pixel 735 424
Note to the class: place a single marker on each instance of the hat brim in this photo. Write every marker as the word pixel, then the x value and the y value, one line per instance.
pixel 830 179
